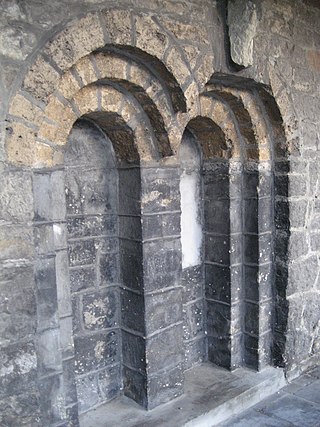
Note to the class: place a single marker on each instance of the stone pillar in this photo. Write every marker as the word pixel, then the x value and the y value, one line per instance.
pixel 160 201
pixel 151 313
pixel 58 399
pixel 258 274
pixel 217 261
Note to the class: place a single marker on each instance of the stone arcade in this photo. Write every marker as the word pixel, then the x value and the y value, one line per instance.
pixel 158 202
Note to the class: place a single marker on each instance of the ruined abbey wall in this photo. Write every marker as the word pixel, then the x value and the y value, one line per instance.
pixel 90 267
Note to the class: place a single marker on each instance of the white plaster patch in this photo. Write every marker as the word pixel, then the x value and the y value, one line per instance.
pixel 191 232
pixel 57 229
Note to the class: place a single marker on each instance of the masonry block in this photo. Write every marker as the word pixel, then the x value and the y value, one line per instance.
pixel 164 349
pixel 192 282
pixel 96 351
pixel 100 309
pixel 162 309
pixel 132 311
pixel 218 282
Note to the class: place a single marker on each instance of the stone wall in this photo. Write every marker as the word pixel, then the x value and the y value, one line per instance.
pixel 47 81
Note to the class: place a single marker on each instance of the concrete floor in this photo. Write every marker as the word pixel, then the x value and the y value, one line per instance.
pixel 212 395
pixel 296 405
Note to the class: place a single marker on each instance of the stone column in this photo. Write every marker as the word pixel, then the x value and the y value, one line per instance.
pixel 58 399
pixel 151 296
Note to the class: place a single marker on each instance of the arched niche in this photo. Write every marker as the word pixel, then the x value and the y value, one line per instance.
pixel 207 279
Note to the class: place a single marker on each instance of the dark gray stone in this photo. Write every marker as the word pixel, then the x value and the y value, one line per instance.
pixel 218 282
pixel 21 408
pixel 129 191
pixel 164 349
pixel 133 311
pixel 82 278
pixel 109 268
pixel 109 383
pixel 133 351
pixel 18 366
pixel 90 191
pixel 217 249
pixel 69 382
pixel 102 225
pixel 131 264
pixel 87 392
pixel 44 239
pixel 250 184
pixel 194 315
pixel 192 282
pixel 52 399
pixel 217 216
pixel 195 352
pixel 160 189
pixel 219 351
pixel 135 386
pixel 165 225
pixel 165 386
pixel 96 351
pixel 130 227
pixel 82 252
pixel 251 248
pixel 218 319
pixel 162 309
pixel 162 264
pixel 251 351
pixel 251 318
pixel 48 352
pixel 100 309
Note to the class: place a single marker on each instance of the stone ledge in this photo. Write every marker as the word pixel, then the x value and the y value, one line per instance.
pixel 212 395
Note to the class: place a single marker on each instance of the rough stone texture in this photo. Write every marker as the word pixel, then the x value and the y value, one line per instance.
pixel 242 31
pixel 174 47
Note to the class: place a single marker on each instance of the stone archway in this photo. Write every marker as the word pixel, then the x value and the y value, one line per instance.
pixel 133 79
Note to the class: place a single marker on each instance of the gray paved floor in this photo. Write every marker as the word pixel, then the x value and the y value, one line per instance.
pixel 297 404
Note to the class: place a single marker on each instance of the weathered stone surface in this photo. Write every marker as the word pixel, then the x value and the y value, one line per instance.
pixel 159 47
pixel 96 351
pixel 100 309
pixel 242 32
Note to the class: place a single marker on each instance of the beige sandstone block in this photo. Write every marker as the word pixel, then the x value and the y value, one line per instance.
pixel 87 100
pixel 111 66
pixel 186 32
pixel 22 107
pixel 20 144
pixel 205 71
pixel 177 66
pixel 220 113
pixel 192 53
pixel 84 68
pixel 118 25
pixel 41 79
pixel 140 76
pixel 264 153
pixel 150 37
pixel 54 109
pixel 128 112
pixel 43 155
pixel 81 38
pixel 48 131
pixel 192 96
pixel 68 85
pixel 206 106
pixel 111 99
